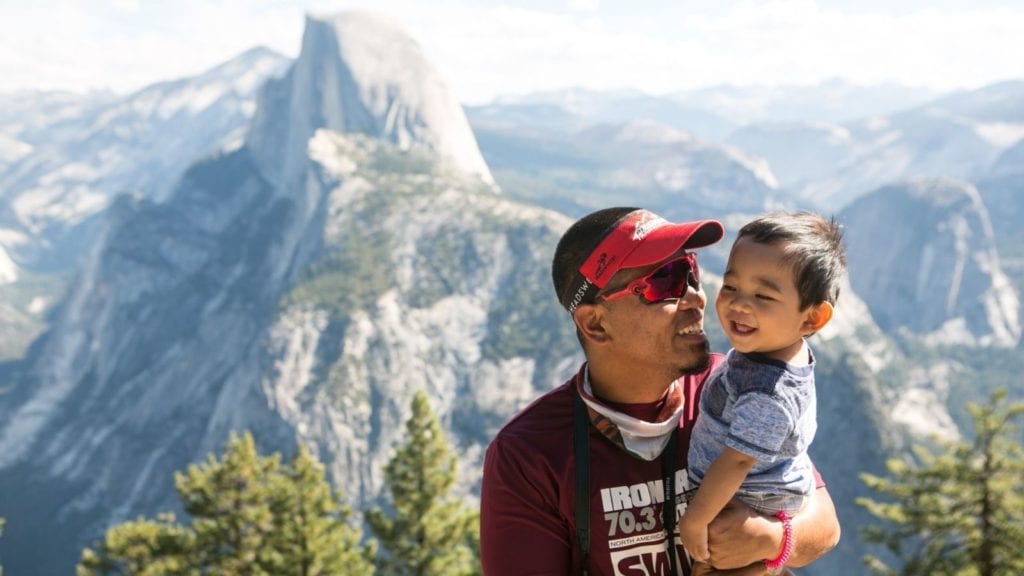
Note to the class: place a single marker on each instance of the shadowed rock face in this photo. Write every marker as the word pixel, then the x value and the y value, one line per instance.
pixel 922 256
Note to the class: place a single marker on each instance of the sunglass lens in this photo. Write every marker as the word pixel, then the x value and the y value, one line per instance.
pixel 669 281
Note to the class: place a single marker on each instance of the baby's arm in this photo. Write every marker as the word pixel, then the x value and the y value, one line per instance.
pixel 720 483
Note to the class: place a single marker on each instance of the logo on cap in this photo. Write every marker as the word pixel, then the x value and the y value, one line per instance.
pixel 577 298
pixel 602 265
pixel 646 223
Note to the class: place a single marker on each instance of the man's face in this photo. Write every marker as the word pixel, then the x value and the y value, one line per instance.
pixel 666 337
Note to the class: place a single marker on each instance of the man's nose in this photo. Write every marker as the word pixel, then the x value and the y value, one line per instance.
pixel 694 298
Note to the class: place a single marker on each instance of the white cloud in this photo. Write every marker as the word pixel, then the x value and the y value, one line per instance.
pixel 486 48
pixel 797 41
pixel 583 5
pixel 748 43
pixel 127 6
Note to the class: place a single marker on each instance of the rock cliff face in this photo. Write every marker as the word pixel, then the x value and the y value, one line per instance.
pixel 304 297
pixel 358 73
pixel 925 261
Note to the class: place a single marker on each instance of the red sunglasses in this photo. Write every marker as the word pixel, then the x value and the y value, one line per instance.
pixel 669 281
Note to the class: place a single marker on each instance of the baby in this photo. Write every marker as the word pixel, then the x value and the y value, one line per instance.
pixel 757 412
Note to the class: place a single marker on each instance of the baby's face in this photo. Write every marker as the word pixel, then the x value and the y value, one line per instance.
pixel 758 305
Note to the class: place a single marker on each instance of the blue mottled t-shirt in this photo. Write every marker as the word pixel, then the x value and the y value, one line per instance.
pixel 766 409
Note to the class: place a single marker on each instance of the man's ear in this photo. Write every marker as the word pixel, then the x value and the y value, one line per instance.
pixel 589 320
pixel 818 316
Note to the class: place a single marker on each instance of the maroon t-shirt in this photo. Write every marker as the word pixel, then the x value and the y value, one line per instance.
pixel 527 504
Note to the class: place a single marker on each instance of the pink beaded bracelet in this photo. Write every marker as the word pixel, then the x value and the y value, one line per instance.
pixel 775 566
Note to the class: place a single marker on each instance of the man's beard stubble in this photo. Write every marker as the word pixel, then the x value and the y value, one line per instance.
pixel 701 362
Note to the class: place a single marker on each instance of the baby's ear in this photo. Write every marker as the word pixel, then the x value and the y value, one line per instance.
pixel 818 316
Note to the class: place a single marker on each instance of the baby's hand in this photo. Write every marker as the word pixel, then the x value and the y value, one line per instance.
pixel 695 538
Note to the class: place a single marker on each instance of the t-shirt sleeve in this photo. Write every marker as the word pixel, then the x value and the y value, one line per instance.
pixel 521 530
pixel 819 481
pixel 760 425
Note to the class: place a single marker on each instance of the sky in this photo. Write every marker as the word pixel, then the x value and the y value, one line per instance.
pixel 491 48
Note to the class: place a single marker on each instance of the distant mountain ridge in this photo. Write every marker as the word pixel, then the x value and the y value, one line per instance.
pixel 967 136
pixel 137 144
pixel 633 163
pixel 926 260
pixel 710 113
pixel 826 145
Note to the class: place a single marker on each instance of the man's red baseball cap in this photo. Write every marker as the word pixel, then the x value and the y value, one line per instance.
pixel 640 238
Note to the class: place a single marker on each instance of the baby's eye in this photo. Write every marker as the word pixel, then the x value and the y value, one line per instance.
pixel 764 297
pixel 728 288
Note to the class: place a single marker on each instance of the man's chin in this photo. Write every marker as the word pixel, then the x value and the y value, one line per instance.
pixel 700 362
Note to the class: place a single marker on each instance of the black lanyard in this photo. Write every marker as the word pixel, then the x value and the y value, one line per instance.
pixel 581 447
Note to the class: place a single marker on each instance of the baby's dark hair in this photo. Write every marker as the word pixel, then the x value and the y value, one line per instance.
pixel 813 245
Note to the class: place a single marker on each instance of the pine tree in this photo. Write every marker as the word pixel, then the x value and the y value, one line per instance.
pixel 430 533
pixel 142 548
pixel 250 516
pixel 958 510
pixel 312 535
pixel 229 502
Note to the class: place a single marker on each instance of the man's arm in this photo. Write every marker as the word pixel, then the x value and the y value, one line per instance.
pixel 816 528
pixel 739 536
pixel 521 531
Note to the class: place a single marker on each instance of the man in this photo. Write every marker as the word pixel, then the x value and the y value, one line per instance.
pixel 620 428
